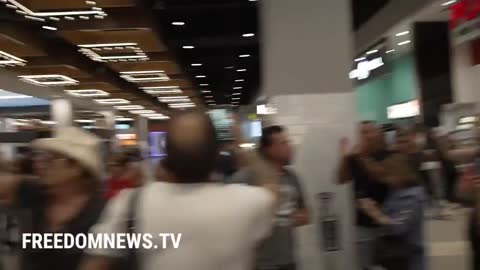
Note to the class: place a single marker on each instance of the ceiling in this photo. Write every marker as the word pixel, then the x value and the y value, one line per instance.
pixel 126 47
pixel 363 10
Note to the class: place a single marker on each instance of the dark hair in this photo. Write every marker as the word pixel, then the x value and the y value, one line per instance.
pixel 191 162
pixel 267 134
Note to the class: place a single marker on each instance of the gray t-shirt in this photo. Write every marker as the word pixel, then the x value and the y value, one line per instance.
pixel 277 249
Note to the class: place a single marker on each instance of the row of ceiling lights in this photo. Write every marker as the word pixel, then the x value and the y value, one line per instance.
pixel 207 93
pixel 402 43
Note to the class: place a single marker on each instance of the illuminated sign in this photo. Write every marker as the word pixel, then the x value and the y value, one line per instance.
pixel 404 110
pixel 364 68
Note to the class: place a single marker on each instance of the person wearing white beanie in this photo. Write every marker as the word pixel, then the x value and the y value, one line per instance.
pixel 65 199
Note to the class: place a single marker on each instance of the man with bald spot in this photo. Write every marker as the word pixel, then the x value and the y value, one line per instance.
pixel 220 224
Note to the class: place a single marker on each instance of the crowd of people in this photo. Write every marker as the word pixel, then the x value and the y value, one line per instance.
pixel 236 208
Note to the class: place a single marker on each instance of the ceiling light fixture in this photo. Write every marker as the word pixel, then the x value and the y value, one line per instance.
pixel 200 76
pixel 111 101
pixel 142 111
pixel 449 3
pixel 236 94
pixel 84 18
pixel 154 90
pixel 404 42
pixel 54 19
pixel 92 3
pixel 372 52
pixel 229 67
pixel 204 84
pixel 15 97
pixel 360 59
pixel 124 119
pixel 182 105
pixel 34 18
pixel 8 59
pixel 49 28
pixel 145 76
pixel 88 50
pixel 178 23
pixel 88 93
pixel 235 98
pixel 240 80
pixel 390 51
pixel 402 33
pixel 129 107
pixel 244 55
pixel 163 117
pixel 69 18
pixel 241 70
pixel 237 88
pixel 16 5
pixel 85 121
pixel 208 96
pixel 197 65
pixel 206 91
pixel 248 35
pixel 106 45
pixel 48 80
pixel 188 47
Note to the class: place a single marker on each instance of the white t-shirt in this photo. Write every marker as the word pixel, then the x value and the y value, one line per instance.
pixel 220 224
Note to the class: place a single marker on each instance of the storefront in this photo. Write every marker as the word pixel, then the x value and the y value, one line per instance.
pixel 386 89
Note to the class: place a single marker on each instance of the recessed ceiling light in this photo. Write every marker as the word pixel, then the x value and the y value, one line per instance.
pixel 153 90
pixel 360 59
pixel 16 5
pixel 248 35
pixel 87 93
pixel 197 65
pixel 241 70
pixel 238 87
pixel 145 76
pixel 69 18
pixel 34 18
pixel 235 98
pixel 252 0
pixel 182 105
pixel 204 84
pixel 85 121
pixel 188 47
pixel 48 80
pixel 200 76
pixel 49 28
pixel 236 94
pixel 54 19
pixel 124 119
pixel 372 51
pixel 390 51
pixel 110 101
pixel 229 67
pixel 402 33
pixel 244 55
pixel 153 117
pixel 129 107
pixel 206 91
pixel 178 23
pixel 449 3
pixel 141 111
pixel 240 80
pixel 404 42
pixel 8 59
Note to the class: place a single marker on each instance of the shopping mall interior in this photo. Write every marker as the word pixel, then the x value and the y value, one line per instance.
pixel 121 70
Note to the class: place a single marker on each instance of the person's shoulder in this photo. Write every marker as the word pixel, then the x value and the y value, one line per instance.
pixel 241 192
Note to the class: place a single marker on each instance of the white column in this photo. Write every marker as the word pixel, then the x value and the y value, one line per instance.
pixel 62 112
pixel 307 57
pixel 141 126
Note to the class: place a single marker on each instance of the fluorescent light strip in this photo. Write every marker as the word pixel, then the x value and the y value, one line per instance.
pixel 47 14
pixel 360 59
pixel 197 65
pixel 88 93
pixel 84 121
pixel 112 101
pixel 236 94
pixel 175 97
pixel 244 55
pixel 106 45
pixel 372 52
pixel 178 23
pixel 188 47
pixel 204 84
pixel 200 76
pixel 240 80
pixel 248 35
pixel 402 33
pixel 33 79
pixel 124 119
pixel 34 18
pixel 449 3
pixel 237 88
pixel 7 55
pixel 158 117
pixel 390 51
pixel 241 70
pixel 49 28
pixel 404 42
pixel 129 107
pixel 15 97
pixel 142 111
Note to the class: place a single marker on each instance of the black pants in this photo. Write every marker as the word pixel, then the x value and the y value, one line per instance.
pixel 474 242
pixel 283 267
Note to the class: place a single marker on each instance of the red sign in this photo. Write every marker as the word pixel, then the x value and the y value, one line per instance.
pixel 464 10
